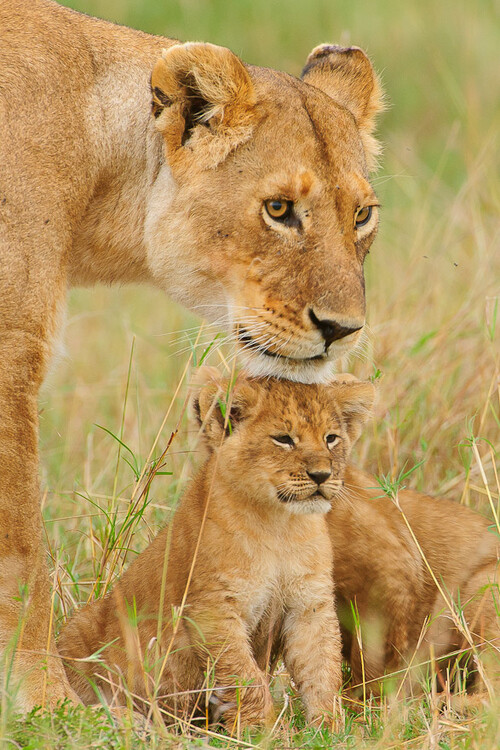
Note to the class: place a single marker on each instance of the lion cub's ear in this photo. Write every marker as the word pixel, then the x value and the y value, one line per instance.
pixel 203 102
pixel 347 76
pixel 211 398
pixel 355 399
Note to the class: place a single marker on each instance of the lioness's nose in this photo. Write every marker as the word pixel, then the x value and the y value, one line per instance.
pixel 319 476
pixel 331 330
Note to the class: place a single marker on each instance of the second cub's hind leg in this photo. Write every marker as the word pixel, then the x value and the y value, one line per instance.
pixel 480 599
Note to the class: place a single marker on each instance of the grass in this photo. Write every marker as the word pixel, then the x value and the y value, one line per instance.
pixel 433 297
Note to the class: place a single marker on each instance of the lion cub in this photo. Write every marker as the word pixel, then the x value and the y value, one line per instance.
pixel 249 538
pixel 379 568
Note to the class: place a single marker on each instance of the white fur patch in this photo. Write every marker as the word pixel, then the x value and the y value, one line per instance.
pixel 298 370
pixel 306 507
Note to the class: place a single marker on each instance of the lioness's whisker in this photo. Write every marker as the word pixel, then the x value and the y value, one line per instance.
pixel 225 338
pixel 233 307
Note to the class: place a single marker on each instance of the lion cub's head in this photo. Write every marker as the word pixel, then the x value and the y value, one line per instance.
pixel 262 213
pixel 279 442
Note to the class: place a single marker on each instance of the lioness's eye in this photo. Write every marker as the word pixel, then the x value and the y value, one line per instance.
pixel 284 441
pixel 332 440
pixel 279 209
pixel 363 216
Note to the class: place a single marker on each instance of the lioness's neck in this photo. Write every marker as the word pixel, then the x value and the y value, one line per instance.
pixel 109 243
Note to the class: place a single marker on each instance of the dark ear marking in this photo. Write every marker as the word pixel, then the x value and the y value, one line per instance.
pixel 195 111
pixel 235 414
pixel 160 101
pixel 197 410
pixel 223 417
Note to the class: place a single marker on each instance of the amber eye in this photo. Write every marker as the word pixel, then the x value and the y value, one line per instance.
pixel 332 440
pixel 284 441
pixel 279 209
pixel 363 216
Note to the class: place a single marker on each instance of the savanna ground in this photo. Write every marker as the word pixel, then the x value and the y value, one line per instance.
pixel 433 281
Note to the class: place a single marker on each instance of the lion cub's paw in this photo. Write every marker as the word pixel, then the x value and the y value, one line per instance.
pixel 327 718
pixel 219 707
pixel 255 709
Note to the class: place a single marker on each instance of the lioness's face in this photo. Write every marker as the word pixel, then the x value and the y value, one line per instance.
pixel 287 444
pixel 271 237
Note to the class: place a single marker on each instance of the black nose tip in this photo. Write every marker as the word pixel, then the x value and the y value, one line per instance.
pixel 319 476
pixel 331 330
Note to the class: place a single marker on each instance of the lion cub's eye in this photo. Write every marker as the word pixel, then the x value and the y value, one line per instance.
pixel 331 441
pixel 363 216
pixel 279 209
pixel 284 441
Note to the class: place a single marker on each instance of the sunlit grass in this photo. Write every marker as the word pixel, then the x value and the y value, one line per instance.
pixel 433 281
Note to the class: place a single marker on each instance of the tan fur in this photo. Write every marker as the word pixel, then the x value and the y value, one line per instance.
pixel 94 189
pixel 264 549
pixel 379 568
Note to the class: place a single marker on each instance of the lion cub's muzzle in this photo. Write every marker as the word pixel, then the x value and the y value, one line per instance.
pixel 315 485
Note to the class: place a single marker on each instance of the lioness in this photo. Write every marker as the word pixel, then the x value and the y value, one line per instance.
pixel 379 568
pixel 248 539
pixel 245 197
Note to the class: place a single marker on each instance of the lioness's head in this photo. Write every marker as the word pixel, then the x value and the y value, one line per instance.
pixel 280 442
pixel 262 214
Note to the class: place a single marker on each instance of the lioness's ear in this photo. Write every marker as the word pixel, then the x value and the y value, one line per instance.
pixel 212 397
pixel 347 76
pixel 355 399
pixel 202 93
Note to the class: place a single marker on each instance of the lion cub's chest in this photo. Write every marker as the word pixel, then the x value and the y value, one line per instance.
pixel 273 572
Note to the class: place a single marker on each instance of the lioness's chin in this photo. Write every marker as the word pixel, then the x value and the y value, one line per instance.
pixel 313 370
pixel 306 507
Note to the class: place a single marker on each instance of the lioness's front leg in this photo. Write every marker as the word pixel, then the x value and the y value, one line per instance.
pixel 24 582
pixel 30 295
pixel 312 647
pixel 245 691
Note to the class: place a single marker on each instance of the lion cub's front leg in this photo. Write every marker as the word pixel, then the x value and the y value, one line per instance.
pixel 241 686
pixel 312 646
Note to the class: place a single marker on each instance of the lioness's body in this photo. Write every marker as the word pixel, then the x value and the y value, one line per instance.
pixel 93 189
pixel 379 568
pixel 73 182
pixel 252 528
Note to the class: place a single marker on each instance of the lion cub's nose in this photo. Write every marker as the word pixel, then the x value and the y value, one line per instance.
pixel 319 476
pixel 331 330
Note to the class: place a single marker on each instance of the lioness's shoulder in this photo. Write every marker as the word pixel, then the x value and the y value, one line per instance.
pixel 77 45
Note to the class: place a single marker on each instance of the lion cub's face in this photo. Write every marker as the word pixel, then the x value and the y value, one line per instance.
pixel 288 443
pixel 263 213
